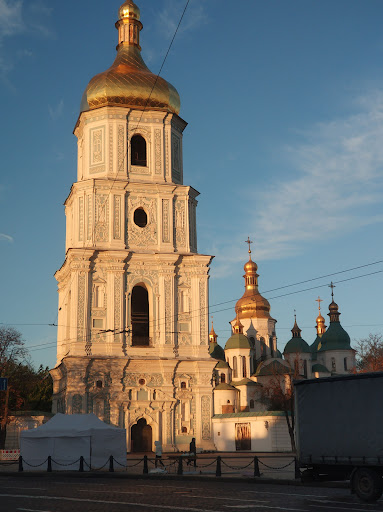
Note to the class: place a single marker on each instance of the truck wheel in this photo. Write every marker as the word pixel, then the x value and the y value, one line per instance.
pixel 368 484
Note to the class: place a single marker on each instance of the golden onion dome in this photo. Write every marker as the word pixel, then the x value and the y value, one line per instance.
pixel 250 266
pixel 252 304
pixel 129 82
pixel 320 319
pixel 129 10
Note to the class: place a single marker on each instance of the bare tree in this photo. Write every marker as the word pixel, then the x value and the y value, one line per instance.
pixel 278 393
pixel 370 354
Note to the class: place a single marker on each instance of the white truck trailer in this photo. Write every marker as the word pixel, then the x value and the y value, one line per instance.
pixel 339 430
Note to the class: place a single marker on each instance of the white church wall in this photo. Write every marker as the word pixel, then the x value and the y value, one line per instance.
pixel 268 433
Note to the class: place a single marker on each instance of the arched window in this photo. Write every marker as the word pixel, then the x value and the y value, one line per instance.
pixel 244 369
pixel 138 151
pixel 184 430
pixel 183 385
pixel 99 384
pixel 235 368
pixel 345 364
pixel 305 368
pixel 251 404
pixel 140 317
pixel 223 378
pixel 333 364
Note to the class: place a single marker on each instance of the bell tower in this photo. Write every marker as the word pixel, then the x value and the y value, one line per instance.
pixel 133 291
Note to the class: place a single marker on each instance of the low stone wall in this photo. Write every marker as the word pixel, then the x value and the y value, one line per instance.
pixel 251 431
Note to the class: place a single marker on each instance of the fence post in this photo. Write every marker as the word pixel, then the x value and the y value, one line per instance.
pixel 218 471
pixel 81 468
pixel 21 464
pixel 111 468
pixel 297 470
pixel 49 468
pixel 180 468
pixel 256 467
pixel 146 470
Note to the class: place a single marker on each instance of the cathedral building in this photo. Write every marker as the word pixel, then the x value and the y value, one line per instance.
pixel 133 345
pixel 132 341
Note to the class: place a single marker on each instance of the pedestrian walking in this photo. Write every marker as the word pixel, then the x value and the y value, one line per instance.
pixel 158 446
pixel 193 451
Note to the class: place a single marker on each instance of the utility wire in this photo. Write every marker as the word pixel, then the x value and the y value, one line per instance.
pixel 119 331
pixel 268 291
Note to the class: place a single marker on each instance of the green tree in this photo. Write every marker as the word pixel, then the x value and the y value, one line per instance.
pixel 28 389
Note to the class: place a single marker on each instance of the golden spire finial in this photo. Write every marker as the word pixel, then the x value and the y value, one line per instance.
pixel 248 241
pixel 212 334
pixel 320 327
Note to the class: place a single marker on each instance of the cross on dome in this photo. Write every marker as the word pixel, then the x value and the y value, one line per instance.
pixel 319 300
pixel 248 241
pixel 332 286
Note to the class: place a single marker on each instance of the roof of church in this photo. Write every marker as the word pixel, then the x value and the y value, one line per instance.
pixel 216 351
pixel 129 82
pixel 237 341
pixel 297 343
pixel 273 368
pixel 245 382
pixel 335 338
pixel 224 386
pixel 319 368
pixel 222 364
pixel 314 347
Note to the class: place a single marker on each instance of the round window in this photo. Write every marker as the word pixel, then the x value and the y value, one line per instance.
pixel 140 218
pixel 141 382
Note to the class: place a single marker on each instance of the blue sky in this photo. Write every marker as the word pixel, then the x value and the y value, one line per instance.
pixel 284 102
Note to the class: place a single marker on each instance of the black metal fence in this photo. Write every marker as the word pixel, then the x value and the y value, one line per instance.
pixel 174 463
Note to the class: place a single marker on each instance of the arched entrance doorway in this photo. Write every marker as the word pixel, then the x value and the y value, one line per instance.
pixel 140 317
pixel 141 437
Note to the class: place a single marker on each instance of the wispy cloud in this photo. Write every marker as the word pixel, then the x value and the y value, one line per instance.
pixel 336 189
pixel 56 112
pixel 13 14
pixel 5 237
pixel 169 17
pixel 10 18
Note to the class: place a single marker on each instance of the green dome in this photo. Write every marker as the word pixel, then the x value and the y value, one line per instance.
pixel 222 364
pixel 237 341
pixel 319 368
pixel 273 368
pixel 314 347
pixel 335 338
pixel 216 351
pixel 245 382
pixel 297 345
pixel 225 387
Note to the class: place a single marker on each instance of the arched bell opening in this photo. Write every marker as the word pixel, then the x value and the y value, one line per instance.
pixel 138 151
pixel 140 317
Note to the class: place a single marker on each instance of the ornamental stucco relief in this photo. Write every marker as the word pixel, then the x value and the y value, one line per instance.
pixel 138 236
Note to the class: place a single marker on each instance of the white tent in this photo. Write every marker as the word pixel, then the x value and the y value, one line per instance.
pixel 66 437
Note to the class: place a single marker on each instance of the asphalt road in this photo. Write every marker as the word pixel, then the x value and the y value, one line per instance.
pixel 74 494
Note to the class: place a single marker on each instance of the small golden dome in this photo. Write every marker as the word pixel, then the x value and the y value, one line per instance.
pixel 129 10
pixel 250 266
pixel 320 319
pixel 252 304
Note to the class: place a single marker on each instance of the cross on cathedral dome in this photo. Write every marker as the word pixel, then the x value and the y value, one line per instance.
pixel 129 82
